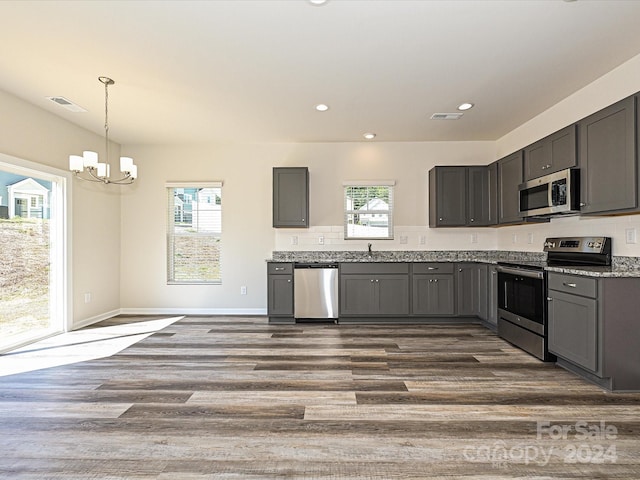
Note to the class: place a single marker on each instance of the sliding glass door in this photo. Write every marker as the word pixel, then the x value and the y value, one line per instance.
pixel 32 252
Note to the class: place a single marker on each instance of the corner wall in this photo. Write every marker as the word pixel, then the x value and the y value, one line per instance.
pixel 32 134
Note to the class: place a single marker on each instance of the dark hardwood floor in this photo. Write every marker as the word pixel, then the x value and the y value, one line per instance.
pixel 237 398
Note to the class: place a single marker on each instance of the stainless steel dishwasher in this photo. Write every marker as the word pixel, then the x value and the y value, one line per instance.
pixel 315 290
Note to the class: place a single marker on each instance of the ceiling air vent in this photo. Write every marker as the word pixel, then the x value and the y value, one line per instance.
pixel 63 102
pixel 446 116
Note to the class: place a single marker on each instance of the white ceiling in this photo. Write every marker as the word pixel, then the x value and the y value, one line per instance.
pixel 205 71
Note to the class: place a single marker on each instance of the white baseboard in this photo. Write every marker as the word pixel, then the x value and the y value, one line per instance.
pixel 98 318
pixel 195 311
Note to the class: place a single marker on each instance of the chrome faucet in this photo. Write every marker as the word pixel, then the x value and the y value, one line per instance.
pixel 370 252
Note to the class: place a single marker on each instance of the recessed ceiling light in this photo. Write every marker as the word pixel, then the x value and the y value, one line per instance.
pixel 317 3
pixel 369 136
pixel 465 106
pixel 321 107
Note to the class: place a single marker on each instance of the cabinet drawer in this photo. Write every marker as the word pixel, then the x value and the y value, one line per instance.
pixel 584 286
pixel 435 267
pixel 373 268
pixel 279 268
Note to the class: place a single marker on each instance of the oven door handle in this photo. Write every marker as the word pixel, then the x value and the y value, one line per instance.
pixel 521 272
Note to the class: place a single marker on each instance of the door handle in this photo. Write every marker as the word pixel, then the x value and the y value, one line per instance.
pixel 572 285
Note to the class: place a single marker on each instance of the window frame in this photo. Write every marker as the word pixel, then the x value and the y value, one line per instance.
pixel 349 184
pixel 171 235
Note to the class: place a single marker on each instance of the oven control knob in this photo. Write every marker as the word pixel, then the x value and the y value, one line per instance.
pixel 549 244
pixel 597 245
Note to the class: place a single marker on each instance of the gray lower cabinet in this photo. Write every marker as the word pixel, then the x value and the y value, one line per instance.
pixel 433 289
pixel 280 291
pixel 471 285
pixel 290 197
pixel 607 159
pixel 374 289
pixel 594 328
pixel 573 329
pixel 492 296
pixel 510 177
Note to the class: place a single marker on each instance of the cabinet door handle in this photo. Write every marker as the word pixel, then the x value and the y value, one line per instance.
pixel 435 281
pixel 289 281
pixel 473 220
pixel 582 204
pixel 549 299
pixel 440 218
pixel 372 280
pixel 433 268
pixel 377 280
pixel 572 285
pixel 278 269
pixel 459 269
pixel 431 280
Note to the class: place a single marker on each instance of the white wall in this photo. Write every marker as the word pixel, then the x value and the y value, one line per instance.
pixel 32 134
pixel 616 85
pixel 248 237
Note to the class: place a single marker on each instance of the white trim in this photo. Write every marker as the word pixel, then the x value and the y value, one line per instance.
pixel 98 318
pixel 215 184
pixel 368 183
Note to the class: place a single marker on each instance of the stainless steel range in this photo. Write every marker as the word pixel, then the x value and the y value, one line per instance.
pixel 522 290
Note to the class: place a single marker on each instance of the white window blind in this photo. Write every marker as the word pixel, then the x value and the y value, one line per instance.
pixel 368 209
pixel 194 230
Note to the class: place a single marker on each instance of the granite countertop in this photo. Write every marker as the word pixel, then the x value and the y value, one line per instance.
pixel 622 267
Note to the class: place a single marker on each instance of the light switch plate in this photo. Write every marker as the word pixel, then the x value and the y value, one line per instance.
pixel 474 238
pixel 294 240
pixel 403 239
pixel 631 235
pixel 423 239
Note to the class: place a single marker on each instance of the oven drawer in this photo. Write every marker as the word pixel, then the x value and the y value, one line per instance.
pixel 575 285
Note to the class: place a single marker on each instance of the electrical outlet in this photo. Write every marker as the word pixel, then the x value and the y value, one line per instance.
pixel 530 238
pixel 514 238
pixel 294 240
pixel 87 297
pixel 320 240
pixel 403 239
pixel 243 290
pixel 474 238
pixel 631 235
pixel 423 240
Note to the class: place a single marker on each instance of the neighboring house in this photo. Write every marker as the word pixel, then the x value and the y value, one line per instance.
pixel 375 219
pixel 25 197
pixel 207 212
pixel 199 209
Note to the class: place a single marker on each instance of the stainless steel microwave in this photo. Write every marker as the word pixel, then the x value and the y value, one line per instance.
pixel 553 194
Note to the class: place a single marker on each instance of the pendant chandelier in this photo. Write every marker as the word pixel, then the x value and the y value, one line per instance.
pixel 87 167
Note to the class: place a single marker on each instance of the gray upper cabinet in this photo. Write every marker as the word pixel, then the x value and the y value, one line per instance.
pixel 607 159
pixel 447 196
pixel 492 179
pixel 509 178
pixel 459 196
pixel 551 154
pixel 478 203
pixel 291 197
